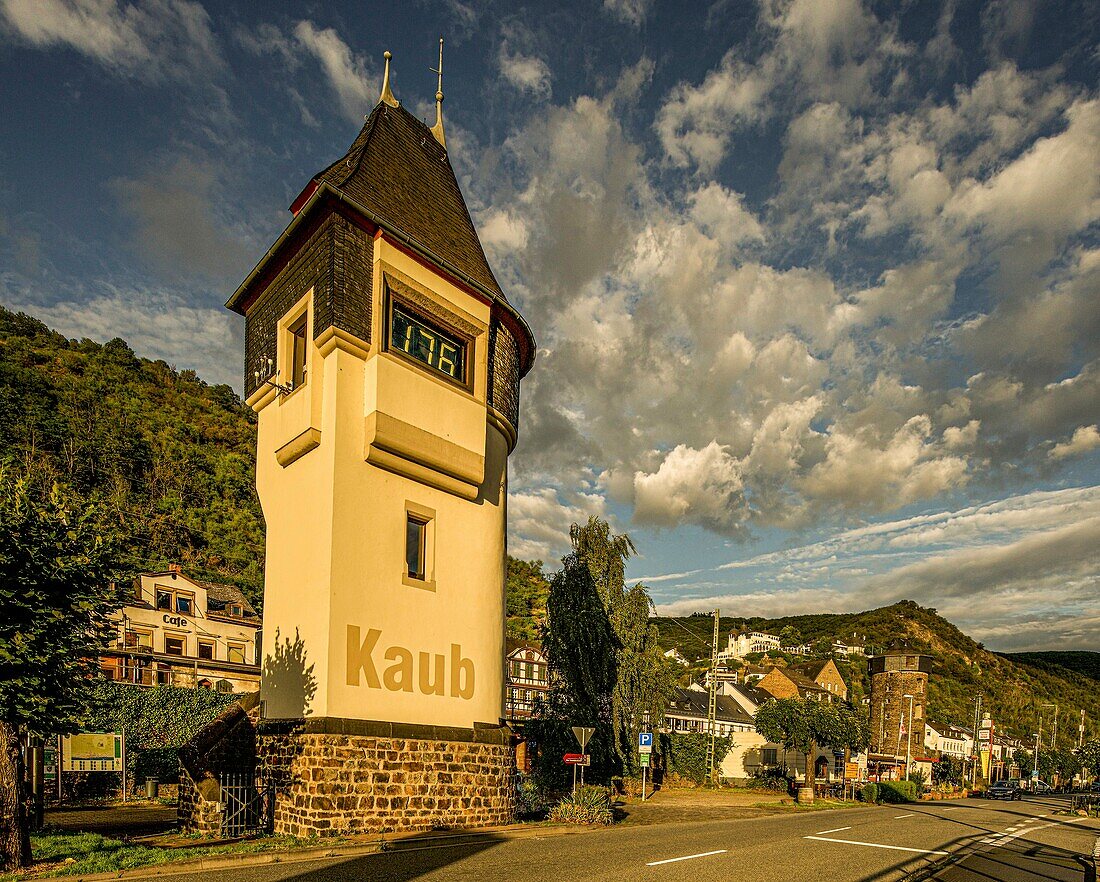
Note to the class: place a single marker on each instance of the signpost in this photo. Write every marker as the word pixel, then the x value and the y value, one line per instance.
pixel 583 734
pixel 645 748
pixel 577 759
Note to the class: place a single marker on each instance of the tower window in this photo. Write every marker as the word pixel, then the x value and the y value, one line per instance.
pixel 297 332
pixel 415 546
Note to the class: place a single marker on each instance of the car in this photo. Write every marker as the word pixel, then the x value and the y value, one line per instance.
pixel 1040 786
pixel 1094 787
pixel 1004 790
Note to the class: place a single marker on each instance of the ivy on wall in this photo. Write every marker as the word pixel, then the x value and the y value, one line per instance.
pixel 686 753
pixel 157 722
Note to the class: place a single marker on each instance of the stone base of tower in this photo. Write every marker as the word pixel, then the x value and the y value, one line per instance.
pixel 346 777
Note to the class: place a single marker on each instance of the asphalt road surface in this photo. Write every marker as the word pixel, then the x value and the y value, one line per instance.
pixel 959 841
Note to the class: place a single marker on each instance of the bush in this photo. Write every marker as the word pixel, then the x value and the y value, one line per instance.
pixel 589 805
pixel 919 778
pixel 776 778
pixel 530 802
pixel 897 791
pixel 869 793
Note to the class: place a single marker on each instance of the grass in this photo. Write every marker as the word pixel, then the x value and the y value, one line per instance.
pixel 73 854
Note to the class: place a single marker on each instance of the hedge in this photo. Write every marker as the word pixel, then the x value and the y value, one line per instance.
pixel 686 753
pixel 897 791
pixel 157 721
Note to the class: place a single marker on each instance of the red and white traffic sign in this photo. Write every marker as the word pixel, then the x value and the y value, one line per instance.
pixel 577 759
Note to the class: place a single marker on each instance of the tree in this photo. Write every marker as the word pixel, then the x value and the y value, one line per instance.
pixel 526 591
pixel 56 591
pixel 949 770
pixel 1088 757
pixel 607 669
pixel 805 725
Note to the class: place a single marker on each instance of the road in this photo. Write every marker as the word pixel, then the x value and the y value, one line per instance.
pixel 959 841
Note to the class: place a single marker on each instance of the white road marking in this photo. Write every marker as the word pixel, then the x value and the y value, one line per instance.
pixel 899 817
pixel 875 845
pixel 686 857
pixel 834 830
pixel 1002 839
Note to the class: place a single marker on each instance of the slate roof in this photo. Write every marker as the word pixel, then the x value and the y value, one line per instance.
pixel 811 669
pixel 397 170
pixel 219 597
pixel 693 703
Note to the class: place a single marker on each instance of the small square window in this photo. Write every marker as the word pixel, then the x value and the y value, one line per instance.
pixel 173 645
pixel 184 603
pixel 206 649
pixel 298 350
pixel 164 600
pixel 236 653
pixel 415 536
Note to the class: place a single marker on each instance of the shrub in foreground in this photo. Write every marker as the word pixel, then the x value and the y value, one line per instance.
pixel 897 791
pixel 869 793
pixel 589 805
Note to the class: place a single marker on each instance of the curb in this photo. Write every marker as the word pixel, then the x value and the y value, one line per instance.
pixel 303 855
pixel 1096 859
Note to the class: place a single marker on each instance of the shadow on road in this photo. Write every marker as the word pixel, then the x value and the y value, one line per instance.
pixel 405 860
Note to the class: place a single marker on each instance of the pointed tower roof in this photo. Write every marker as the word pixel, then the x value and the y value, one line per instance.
pixel 399 171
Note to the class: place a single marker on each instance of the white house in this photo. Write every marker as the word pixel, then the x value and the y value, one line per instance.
pixel 742 643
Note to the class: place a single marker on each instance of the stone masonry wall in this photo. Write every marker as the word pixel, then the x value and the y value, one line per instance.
pixel 330 784
pixel 890 709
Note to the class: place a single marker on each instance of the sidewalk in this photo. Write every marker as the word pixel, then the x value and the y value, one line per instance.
pixel 114 820
pixel 669 806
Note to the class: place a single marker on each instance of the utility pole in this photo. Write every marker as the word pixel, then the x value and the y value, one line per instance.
pixel 712 701
pixel 974 741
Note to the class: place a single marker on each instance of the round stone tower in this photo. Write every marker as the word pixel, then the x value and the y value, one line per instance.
pixel 899 694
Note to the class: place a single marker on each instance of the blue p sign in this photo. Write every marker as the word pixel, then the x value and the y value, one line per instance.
pixel 645 742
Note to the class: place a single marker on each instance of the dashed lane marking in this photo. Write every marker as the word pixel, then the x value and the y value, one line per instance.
pixel 876 845
pixel 834 830
pixel 1002 839
pixel 899 817
pixel 686 857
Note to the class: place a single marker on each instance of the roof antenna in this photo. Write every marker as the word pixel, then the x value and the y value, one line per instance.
pixel 437 129
pixel 387 94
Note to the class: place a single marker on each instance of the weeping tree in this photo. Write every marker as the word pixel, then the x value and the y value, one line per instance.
pixel 607 671
pixel 805 725
pixel 1088 757
pixel 56 592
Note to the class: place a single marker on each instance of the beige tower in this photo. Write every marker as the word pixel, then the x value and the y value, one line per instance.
pixel 383 362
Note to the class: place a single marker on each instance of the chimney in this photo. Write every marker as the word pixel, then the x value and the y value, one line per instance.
pixel 175 568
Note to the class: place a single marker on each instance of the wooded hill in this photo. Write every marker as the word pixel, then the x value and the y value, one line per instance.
pixel 169 458
pixel 1013 686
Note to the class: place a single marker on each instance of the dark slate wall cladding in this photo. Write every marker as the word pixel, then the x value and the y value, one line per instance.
pixel 337 261
pixel 504 372
pixel 353 265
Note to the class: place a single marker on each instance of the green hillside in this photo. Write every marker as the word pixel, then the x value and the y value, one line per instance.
pixel 169 458
pixel 1012 688
pixel 1081 662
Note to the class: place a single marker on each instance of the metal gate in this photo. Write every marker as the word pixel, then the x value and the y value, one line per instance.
pixel 248 804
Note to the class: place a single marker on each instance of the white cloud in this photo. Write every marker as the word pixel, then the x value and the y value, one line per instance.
pixel 632 12
pixel 527 73
pixel 148 41
pixel 692 486
pixel 539 521
pixel 347 74
pixel 1084 439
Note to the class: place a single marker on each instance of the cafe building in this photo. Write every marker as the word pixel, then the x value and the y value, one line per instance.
pixel 178 631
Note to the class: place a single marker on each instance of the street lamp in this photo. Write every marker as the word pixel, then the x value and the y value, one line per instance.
pixel 909 738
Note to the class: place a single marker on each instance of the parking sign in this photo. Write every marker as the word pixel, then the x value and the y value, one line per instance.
pixel 645 742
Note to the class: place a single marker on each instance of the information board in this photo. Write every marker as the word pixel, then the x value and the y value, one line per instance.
pixel 91 752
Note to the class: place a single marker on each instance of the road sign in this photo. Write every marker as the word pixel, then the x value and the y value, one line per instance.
pixel 577 759
pixel 645 742
pixel 851 771
pixel 645 760
pixel 583 734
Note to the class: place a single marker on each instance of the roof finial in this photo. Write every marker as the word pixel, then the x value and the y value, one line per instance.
pixel 387 94
pixel 437 129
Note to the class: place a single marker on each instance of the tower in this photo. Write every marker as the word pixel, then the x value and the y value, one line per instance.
pixel 899 687
pixel 383 362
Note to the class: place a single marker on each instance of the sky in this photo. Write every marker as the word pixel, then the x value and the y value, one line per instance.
pixel 815 285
